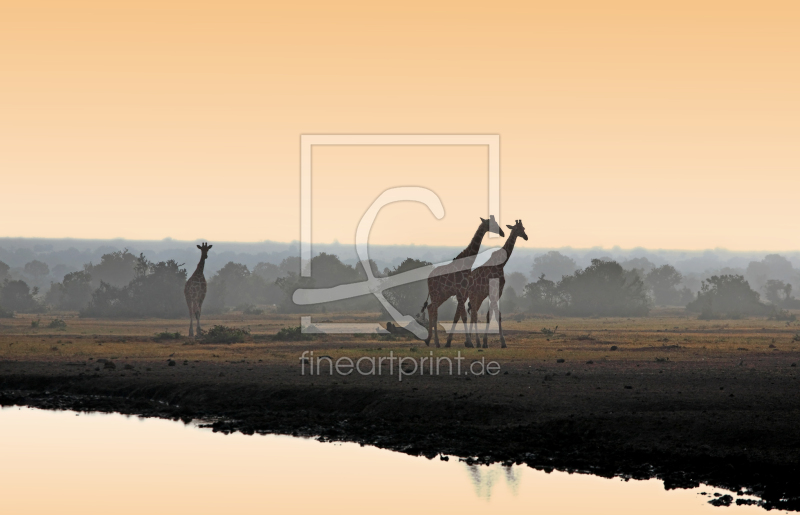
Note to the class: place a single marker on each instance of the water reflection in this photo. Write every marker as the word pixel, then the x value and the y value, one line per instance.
pixel 484 478
pixel 57 462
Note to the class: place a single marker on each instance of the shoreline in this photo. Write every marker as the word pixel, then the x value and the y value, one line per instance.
pixel 742 437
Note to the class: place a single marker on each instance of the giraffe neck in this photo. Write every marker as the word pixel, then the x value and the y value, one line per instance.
pixel 508 248
pixel 474 245
pixel 198 272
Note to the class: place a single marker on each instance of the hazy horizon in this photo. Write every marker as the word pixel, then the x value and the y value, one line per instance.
pixel 623 124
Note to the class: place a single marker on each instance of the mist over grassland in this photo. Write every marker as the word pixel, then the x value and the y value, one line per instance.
pixel 69 255
pixel 134 278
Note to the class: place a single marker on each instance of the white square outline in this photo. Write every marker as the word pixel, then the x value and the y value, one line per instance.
pixel 307 142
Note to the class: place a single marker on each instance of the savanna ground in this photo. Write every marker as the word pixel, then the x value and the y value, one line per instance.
pixel 681 399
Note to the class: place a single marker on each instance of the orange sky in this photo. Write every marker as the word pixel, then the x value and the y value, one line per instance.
pixel 669 125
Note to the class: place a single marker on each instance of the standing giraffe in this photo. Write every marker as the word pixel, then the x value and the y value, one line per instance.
pixel 452 279
pixel 488 280
pixel 195 290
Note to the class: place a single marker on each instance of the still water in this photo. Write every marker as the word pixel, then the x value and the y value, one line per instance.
pixel 68 463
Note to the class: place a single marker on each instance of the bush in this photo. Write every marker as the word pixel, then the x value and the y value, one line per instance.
pixel 6 314
pixel 156 291
pixel 663 282
pixel 249 309
pixel 58 324
pixel 17 296
pixel 782 315
pixel 407 298
pixel 726 296
pixel 165 335
pixel 603 289
pixel 225 334
pixel 73 293
pixel 549 332
pixel 291 334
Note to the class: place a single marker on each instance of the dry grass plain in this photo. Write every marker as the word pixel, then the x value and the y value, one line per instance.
pixel 668 335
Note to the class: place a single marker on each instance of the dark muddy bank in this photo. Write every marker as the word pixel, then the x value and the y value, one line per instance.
pixel 729 426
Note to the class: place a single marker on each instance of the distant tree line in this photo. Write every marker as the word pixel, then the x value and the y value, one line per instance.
pixel 125 285
pixel 605 288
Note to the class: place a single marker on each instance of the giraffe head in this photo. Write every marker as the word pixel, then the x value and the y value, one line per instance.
pixel 518 229
pixel 204 248
pixel 491 226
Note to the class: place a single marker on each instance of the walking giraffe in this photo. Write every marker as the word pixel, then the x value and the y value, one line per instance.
pixel 488 280
pixel 195 290
pixel 452 279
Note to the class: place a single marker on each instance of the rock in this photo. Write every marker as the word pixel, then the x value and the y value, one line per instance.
pixel 590 362
pixel 793 365
pixel 109 365
pixel 560 360
pixel 613 347
pixel 724 500
pixel 628 387
pixel 128 366
pixel 171 363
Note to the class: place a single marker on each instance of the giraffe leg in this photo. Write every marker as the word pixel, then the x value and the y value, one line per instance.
pixel 197 316
pixel 430 325
pixel 473 321
pixel 500 324
pixel 486 334
pixel 434 320
pixel 191 323
pixel 460 309
pixel 467 342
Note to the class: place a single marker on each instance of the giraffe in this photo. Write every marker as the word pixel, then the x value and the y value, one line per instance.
pixel 452 279
pixel 195 290
pixel 482 284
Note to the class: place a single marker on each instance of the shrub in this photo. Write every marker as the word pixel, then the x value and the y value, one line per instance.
pixel 165 335
pixel 74 293
pixel 225 334
pixel 155 291
pixel 726 296
pixel 603 289
pixel 35 323
pixel 549 332
pixel 6 314
pixel 782 315
pixel 58 324
pixel 249 309
pixel 292 334
pixel 17 296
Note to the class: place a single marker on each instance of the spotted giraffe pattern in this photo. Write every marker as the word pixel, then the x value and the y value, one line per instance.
pixel 452 279
pixel 488 280
pixel 195 290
